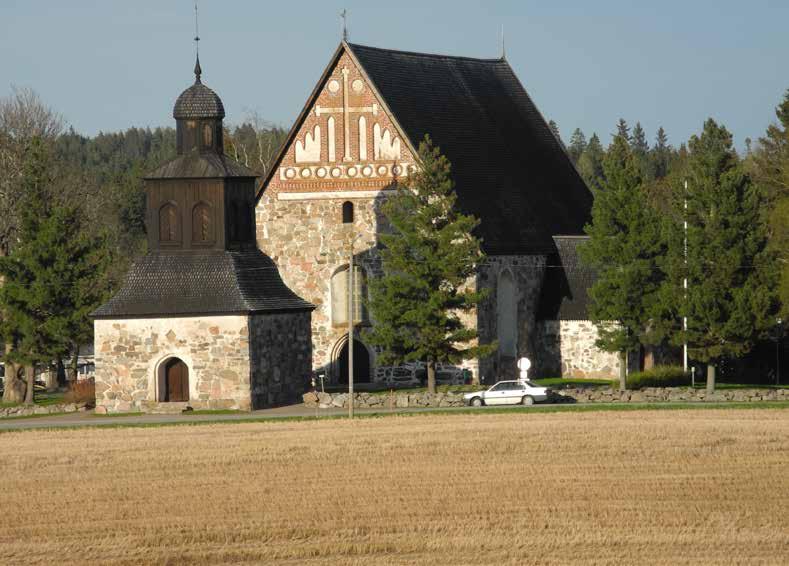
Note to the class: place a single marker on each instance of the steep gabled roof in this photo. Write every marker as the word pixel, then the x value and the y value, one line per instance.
pixel 565 289
pixel 509 168
pixel 223 282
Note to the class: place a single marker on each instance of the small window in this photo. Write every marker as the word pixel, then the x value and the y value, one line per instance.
pixel 347 212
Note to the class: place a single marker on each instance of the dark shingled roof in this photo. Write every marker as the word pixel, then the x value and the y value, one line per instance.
pixel 223 282
pixel 201 165
pixel 198 101
pixel 509 168
pixel 565 291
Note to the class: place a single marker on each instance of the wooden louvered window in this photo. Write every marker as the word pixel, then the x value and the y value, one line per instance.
pixel 208 136
pixel 202 224
pixel 169 225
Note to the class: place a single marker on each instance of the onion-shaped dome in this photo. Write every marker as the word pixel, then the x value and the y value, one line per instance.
pixel 198 101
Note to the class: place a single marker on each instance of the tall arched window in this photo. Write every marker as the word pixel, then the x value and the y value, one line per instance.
pixel 347 212
pixel 208 136
pixel 169 223
pixel 202 223
pixel 507 315
pixel 339 296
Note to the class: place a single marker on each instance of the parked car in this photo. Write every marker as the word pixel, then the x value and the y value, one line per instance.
pixel 509 393
pixel 398 376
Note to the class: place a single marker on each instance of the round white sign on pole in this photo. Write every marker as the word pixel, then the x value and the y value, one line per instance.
pixel 524 364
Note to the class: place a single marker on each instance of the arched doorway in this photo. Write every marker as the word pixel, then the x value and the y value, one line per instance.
pixel 176 381
pixel 361 363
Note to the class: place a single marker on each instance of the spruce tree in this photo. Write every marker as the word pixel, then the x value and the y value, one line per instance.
pixel 577 145
pixel 730 302
pixel 623 130
pixel 429 256
pixel 623 249
pixel 660 155
pixel 640 148
pixel 771 169
pixel 53 278
pixel 590 164
pixel 555 129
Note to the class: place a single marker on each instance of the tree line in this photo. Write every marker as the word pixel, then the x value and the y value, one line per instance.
pixel 690 244
pixel 73 218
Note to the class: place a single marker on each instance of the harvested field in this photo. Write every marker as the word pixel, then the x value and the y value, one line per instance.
pixel 646 487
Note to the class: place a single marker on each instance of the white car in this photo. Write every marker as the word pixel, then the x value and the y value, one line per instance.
pixel 509 393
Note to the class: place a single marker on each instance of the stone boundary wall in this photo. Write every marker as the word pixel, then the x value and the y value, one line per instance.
pixel 27 410
pixel 364 400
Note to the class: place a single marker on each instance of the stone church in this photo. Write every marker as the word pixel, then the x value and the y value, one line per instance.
pixel 359 132
pixel 203 320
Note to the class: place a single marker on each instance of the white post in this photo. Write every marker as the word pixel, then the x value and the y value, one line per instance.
pixel 350 331
pixel 685 285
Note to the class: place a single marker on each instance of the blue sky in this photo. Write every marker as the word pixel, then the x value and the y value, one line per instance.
pixel 109 64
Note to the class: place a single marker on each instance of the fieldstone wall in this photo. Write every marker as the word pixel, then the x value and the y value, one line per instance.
pixel 281 357
pixel 309 243
pixel 27 410
pixel 395 400
pixel 129 354
pixel 669 394
pixel 567 348
pixel 528 273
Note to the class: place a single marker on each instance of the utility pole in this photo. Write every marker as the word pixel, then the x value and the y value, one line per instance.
pixel 351 313
pixel 685 286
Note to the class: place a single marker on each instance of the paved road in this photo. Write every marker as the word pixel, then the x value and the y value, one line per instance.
pixel 89 419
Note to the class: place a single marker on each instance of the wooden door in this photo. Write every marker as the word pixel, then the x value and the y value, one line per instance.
pixel 176 381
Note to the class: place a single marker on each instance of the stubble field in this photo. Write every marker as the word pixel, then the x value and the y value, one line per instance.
pixel 647 487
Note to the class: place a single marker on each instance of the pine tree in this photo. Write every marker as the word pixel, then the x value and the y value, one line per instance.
pixel 624 247
pixel 577 145
pixel 53 278
pixel 731 299
pixel 771 169
pixel 428 259
pixel 590 164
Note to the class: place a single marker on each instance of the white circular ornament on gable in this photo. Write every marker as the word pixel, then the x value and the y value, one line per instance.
pixel 352 171
pixel 334 86
pixel 321 172
pixel 357 86
pixel 290 173
pixel 396 170
pixel 524 364
pixel 336 172
pixel 306 172
pixel 382 169
pixel 367 171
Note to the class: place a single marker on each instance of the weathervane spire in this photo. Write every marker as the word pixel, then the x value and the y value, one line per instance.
pixel 198 70
pixel 344 16
pixel 503 49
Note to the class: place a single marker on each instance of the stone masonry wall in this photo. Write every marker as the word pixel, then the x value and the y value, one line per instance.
pixel 309 242
pixel 129 354
pixel 567 348
pixel 528 273
pixel 281 355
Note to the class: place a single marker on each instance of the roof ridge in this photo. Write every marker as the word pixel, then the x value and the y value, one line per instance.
pixel 431 55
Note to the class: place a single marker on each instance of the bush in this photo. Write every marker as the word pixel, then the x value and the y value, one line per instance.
pixel 659 376
pixel 81 391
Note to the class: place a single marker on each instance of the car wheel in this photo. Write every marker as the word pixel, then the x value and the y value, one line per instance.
pixel 527 400
pixel 476 402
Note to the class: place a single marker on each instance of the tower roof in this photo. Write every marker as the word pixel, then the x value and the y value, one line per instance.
pixel 198 101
